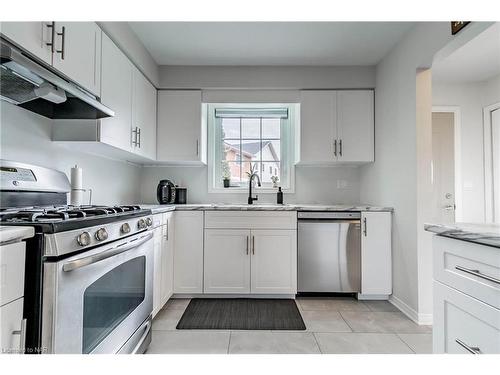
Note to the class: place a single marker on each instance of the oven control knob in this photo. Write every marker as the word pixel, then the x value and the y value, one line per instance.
pixel 125 228
pixel 101 234
pixel 83 239
pixel 149 222
pixel 141 224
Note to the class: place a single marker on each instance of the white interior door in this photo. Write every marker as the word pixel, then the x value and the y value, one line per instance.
pixel 495 153
pixel 443 166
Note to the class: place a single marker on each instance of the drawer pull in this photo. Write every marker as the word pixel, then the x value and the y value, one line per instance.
pixel 478 274
pixel 470 349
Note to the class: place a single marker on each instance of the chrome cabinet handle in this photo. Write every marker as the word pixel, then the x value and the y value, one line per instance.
pixel 167 231
pixel 62 34
pixel 247 244
pixel 197 147
pixel 334 147
pixel 134 136
pixel 253 245
pixel 340 147
pixel 85 261
pixel 22 334
pixel 470 349
pixel 139 137
pixel 478 274
pixel 52 27
pixel 364 227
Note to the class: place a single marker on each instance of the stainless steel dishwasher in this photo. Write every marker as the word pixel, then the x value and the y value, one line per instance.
pixel 329 247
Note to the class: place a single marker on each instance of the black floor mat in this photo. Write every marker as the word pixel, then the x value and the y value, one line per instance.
pixel 242 313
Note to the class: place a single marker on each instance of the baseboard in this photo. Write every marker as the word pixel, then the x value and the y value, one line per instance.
pixel 373 297
pixel 276 296
pixel 420 319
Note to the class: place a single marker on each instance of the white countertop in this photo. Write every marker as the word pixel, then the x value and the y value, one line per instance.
pixel 259 207
pixel 14 234
pixel 485 234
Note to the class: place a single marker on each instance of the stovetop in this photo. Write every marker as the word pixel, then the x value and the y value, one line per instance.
pixel 52 219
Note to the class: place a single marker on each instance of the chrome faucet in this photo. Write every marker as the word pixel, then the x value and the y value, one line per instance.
pixel 250 180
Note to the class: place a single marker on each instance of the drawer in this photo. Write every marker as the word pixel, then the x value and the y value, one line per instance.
pixel 12 272
pixel 462 322
pixel 11 316
pixel 470 268
pixel 251 220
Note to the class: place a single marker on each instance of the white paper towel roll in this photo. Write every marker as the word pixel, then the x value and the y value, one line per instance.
pixel 76 197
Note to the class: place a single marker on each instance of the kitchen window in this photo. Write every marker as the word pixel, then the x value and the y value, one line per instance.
pixel 251 137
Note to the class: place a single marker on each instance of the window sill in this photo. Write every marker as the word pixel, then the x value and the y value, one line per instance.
pixel 244 190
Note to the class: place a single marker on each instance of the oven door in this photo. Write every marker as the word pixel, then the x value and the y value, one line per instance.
pixel 96 301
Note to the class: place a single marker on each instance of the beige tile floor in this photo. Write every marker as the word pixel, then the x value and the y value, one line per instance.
pixel 334 325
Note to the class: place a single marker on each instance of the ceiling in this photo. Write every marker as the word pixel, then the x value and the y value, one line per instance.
pixel 269 43
pixel 476 61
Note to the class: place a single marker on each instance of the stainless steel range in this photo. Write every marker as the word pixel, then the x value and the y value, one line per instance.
pixel 89 269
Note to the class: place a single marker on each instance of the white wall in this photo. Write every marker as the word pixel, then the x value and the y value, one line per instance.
pixel 26 137
pixel 312 185
pixel 267 77
pixel 392 180
pixel 471 98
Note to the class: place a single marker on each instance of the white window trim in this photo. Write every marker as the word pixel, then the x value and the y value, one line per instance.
pixel 290 141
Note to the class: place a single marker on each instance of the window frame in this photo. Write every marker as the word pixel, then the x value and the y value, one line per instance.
pixel 288 131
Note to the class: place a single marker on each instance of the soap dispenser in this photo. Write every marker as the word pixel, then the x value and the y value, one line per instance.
pixel 279 196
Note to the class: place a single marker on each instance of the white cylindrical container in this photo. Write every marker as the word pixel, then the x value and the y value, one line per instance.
pixel 76 197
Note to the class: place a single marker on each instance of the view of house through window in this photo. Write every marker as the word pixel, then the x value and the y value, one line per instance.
pixel 251 144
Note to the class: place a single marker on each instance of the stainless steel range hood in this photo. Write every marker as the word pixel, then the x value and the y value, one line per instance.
pixel 31 85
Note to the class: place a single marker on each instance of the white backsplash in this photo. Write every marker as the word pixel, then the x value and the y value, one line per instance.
pixel 312 185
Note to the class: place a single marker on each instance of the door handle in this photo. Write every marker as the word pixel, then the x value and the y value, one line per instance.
pixel 470 349
pixel 478 274
pixel 248 240
pixel 52 27
pixel 253 245
pixel 335 147
pixel 139 136
pixel 62 34
pixel 85 261
pixel 22 334
pixel 340 147
pixel 365 230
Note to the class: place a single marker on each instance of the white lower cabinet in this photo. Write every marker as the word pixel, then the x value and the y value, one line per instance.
pixel 376 254
pixel 157 269
pixel 227 261
pixel 11 316
pixel 274 261
pixel 242 258
pixel 167 258
pixel 188 252
pixel 463 324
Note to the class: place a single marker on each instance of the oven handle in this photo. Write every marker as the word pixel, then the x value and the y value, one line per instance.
pixel 82 262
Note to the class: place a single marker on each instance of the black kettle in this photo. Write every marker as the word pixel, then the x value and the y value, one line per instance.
pixel 165 192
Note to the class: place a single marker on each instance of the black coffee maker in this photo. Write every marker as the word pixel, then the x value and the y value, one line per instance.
pixel 165 192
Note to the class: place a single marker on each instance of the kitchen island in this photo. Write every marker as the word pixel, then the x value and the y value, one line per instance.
pixel 466 287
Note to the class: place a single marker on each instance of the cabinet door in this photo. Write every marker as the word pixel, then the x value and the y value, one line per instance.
pixel 167 272
pixel 355 126
pixel 318 128
pixel 463 324
pixel 144 114
pixel 157 276
pixel 11 316
pixel 80 56
pixel 227 261
pixel 116 93
pixel 376 250
pixel 274 261
pixel 188 252
pixel 179 126
pixel 32 36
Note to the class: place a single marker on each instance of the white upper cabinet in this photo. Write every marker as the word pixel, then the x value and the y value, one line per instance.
pixel 73 48
pixel 32 36
pixel 181 134
pixel 116 93
pixel 78 53
pixel 143 116
pixel 318 130
pixel 376 253
pixel 337 126
pixel 355 125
